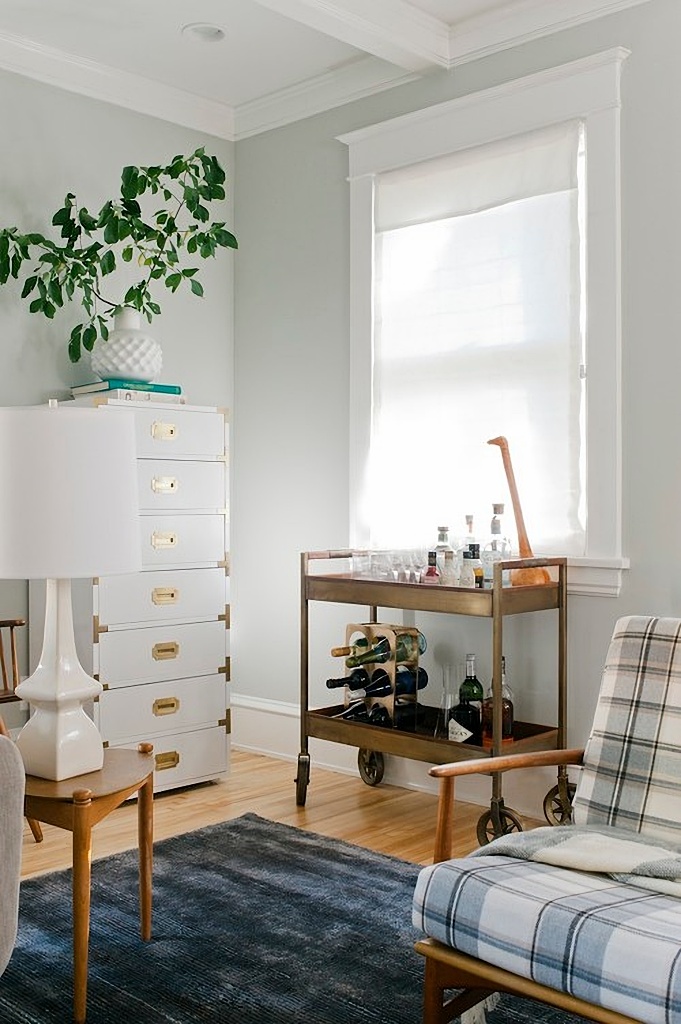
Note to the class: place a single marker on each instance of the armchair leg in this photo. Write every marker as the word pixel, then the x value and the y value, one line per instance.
pixel 36 829
pixel 437 1009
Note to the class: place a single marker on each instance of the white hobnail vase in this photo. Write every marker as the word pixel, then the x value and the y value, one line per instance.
pixel 129 353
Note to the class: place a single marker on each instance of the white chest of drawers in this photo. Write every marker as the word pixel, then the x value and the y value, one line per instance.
pixel 158 640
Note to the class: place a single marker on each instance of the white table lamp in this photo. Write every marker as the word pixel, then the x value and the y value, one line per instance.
pixel 68 508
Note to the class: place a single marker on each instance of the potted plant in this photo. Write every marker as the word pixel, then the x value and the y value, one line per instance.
pixel 91 245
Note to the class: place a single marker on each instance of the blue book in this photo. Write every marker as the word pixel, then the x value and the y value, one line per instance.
pixel 115 384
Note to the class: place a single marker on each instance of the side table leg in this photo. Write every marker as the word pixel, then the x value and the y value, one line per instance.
pixel 82 849
pixel 145 840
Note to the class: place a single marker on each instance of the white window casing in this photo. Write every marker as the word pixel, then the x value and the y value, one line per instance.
pixel 587 90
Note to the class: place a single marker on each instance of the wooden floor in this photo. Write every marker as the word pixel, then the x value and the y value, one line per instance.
pixel 383 818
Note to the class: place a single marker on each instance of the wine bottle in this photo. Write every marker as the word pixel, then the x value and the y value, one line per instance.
pixel 355 680
pixel 487 710
pixel 356 647
pixel 355 712
pixel 406 647
pixel 464 725
pixel 406 682
pixel 471 687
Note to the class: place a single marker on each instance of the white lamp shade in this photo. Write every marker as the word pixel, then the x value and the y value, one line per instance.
pixel 68 493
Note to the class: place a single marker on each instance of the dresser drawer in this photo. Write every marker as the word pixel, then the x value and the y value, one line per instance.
pixel 163 596
pixel 153 653
pixel 169 540
pixel 173 485
pixel 145 712
pixel 175 432
pixel 186 758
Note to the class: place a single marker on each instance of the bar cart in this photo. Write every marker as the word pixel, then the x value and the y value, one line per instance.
pixel 419 743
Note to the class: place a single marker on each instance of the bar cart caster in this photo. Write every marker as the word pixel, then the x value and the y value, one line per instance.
pixel 558 800
pixel 497 821
pixel 371 764
pixel 302 779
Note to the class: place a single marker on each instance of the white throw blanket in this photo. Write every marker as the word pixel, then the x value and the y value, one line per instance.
pixel 624 856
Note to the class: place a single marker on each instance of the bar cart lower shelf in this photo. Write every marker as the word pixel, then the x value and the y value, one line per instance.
pixel 419 742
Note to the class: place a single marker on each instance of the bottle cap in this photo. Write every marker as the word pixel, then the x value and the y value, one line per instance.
pixel 474 550
pixel 498 510
pixel 442 529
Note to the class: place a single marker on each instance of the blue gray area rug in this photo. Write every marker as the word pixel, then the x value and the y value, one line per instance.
pixel 254 923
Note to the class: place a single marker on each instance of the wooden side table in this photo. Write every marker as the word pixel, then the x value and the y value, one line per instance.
pixel 77 804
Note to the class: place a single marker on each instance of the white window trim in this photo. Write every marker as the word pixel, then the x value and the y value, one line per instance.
pixel 587 89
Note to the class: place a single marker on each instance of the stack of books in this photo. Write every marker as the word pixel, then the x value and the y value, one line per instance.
pixel 134 390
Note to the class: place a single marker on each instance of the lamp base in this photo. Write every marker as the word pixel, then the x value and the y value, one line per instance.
pixel 59 740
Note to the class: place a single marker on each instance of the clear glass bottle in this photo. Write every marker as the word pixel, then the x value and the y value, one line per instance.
pixel 506 709
pixel 467 575
pixel 497 548
pixel 432 573
pixel 442 547
pixel 449 576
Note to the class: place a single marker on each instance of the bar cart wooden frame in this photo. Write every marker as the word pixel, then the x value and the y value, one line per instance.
pixel 372 741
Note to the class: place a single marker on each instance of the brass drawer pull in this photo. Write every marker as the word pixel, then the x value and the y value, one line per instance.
pixel 165 595
pixel 160 539
pixel 168 759
pixel 166 706
pixel 161 431
pixel 165 651
pixel 164 484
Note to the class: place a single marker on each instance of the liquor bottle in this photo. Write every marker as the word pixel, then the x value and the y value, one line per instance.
pixel 355 680
pixel 467 575
pixel 449 577
pixel 464 724
pixel 471 687
pixel 442 547
pixel 432 573
pixel 478 575
pixel 406 648
pixel 497 548
pixel 506 709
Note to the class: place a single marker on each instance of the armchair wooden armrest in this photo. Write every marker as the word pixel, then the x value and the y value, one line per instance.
pixel 446 773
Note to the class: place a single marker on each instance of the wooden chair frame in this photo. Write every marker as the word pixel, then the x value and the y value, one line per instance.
pixel 446 968
pixel 9 685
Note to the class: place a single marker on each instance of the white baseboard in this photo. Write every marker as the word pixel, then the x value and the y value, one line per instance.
pixel 273 728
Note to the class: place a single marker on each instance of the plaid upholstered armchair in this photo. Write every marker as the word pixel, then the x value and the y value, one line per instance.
pixel 586 917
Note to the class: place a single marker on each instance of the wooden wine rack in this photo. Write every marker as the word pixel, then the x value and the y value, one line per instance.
pixel 374 631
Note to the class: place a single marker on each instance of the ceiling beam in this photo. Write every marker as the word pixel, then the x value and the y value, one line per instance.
pixel 393 30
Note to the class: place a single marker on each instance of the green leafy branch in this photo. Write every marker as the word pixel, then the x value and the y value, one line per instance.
pixel 55 272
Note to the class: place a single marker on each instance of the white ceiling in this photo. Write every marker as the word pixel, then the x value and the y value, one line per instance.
pixel 279 61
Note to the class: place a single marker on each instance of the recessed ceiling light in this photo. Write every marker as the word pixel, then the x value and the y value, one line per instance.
pixel 203 32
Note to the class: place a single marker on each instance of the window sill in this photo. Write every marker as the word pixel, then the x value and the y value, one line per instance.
pixel 596 577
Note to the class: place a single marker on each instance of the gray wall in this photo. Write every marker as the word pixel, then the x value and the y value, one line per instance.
pixel 55 142
pixel 292 368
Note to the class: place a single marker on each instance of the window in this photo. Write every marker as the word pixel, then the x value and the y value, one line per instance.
pixel 486 301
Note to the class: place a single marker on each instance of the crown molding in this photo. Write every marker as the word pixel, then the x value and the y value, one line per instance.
pixel 518 23
pixel 406 29
pixel 363 77
pixel 134 92
pixel 393 30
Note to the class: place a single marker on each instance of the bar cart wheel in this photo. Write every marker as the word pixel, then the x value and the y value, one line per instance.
pixel 371 764
pixel 498 821
pixel 558 804
pixel 302 778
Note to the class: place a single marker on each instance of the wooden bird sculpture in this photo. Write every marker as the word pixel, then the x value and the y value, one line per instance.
pixel 526 577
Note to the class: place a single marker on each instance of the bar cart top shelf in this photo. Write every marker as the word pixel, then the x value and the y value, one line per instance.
pixel 346 588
